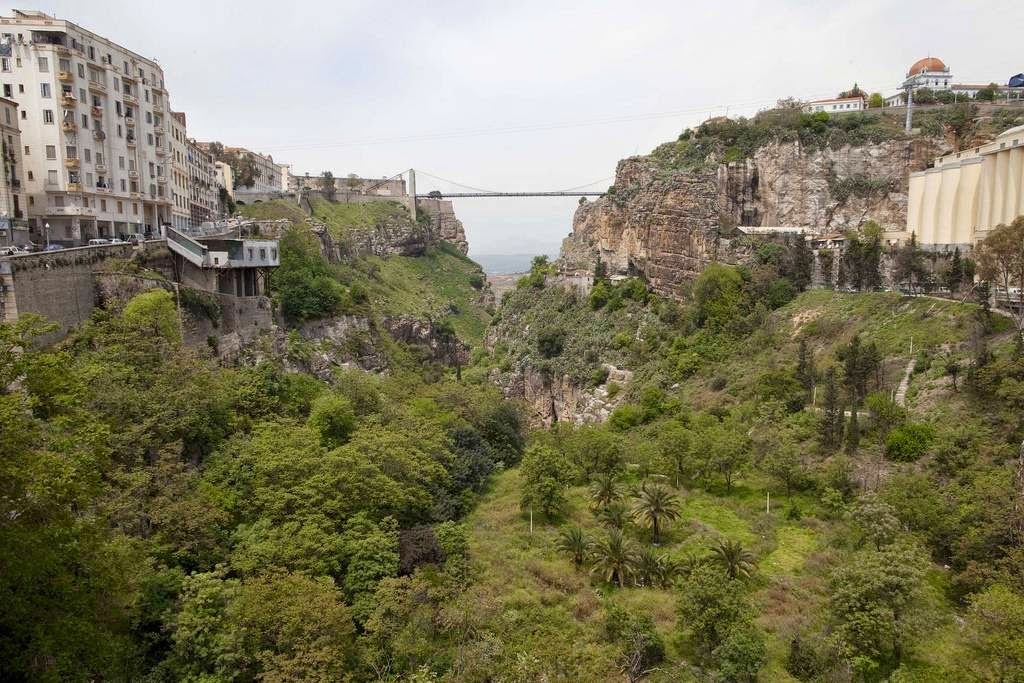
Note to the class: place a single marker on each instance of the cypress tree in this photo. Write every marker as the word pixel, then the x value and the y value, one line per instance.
pixel 853 433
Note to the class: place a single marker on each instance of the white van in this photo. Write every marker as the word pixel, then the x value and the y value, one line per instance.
pixel 98 241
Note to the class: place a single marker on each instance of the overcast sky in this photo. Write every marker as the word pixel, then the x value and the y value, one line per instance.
pixel 526 95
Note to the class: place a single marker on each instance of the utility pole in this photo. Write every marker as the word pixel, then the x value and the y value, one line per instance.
pixel 910 107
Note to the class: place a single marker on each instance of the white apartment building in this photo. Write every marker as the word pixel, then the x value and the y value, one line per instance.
pixel 13 226
pixel 837 105
pixel 181 209
pixel 92 116
pixel 204 190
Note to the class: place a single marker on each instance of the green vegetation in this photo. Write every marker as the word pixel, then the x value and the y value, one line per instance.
pixel 276 209
pixel 341 219
pixel 169 519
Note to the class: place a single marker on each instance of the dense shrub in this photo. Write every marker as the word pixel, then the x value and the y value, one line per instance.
pixel 908 442
pixel 550 342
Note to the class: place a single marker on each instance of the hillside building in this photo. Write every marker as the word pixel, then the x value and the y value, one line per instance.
pixel 203 187
pixel 181 210
pixel 837 105
pixel 967 193
pixel 93 120
pixel 13 224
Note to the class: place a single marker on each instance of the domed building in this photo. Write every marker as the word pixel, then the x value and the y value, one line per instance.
pixel 929 72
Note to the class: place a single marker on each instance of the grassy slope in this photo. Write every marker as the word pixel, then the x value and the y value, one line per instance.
pixel 437 284
pixel 794 558
pixel 342 218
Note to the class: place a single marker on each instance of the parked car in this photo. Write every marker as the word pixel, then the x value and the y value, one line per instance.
pixel 97 241
pixel 53 247
pixel 10 251
pixel 117 240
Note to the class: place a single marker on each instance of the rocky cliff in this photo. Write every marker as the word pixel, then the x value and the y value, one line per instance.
pixel 666 224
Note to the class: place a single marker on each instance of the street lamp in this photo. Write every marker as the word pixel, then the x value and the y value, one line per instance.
pixel 46 233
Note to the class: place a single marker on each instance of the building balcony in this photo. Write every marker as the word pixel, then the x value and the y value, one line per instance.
pixel 129 121
pixel 68 101
pixel 75 188
pixel 128 77
pixel 131 142
pixel 69 126
pixel 158 108
pixel 72 163
pixel 97 87
pixel 134 175
pixel 162 179
pixel 99 135
pixel 101 169
pixel 103 189
pixel 129 98
pixel 96 112
pixel 65 76
pixel 160 152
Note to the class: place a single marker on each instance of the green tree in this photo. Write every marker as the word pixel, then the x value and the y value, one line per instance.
pixel 604 491
pixel 1001 260
pixel 574 542
pixel 710 606
pixel 327 185
pixel 832 413
pixel 543 481
pixel 655 504
pixel 875 101
pixel 614 515
pixel 806 373
pixel 995 635
pixel 614 558
pixel 742 654
pixel 718 297
pixel 332 416
pixel 876 605
pixel 733 558
pixel 675 442
pixel 910 268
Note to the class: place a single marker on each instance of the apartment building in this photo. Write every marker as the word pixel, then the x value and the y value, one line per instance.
pixel 204 190
pixel 92 115
pixel 13 225
pixel 268 174
pixel 181 208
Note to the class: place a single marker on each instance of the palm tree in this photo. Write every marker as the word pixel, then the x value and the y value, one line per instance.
pixel 655 504
pixel 574 542
pixel 604 491
pixel 737 561
pixel 614 558
pixel 647 569
pixel 613 515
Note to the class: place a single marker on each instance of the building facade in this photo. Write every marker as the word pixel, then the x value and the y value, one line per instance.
pixel 13 225
pixel 204 192
pixel 967 193
pixel 268 174
pixel 92 116
pixel 181 211
pixel 838 105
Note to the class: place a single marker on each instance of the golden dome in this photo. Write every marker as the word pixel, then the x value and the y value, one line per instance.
pixel 926 64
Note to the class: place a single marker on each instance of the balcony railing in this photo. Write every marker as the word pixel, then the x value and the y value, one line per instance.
pixel 129 98
pixel 162 179
pixel 101 169
pixel 99 135
pixel 74 187
pixel 96 86
pixel 134 175
pixel 69 126
pixel 130 140
pixel 160 152
pixel 68 100
pixel 97 112
pixel 65 76
pixel 104 189
pixel 72 163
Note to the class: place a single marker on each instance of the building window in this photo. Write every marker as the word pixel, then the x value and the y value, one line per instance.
pixel 8 90
pixel 51 152
pixel 44 65
pixel 124 187
pixel 87 153
pixel 26 150
pixel 5 63
pixel 31 176
pixel 51 177
pixel 81 70
pixel 120 163
pixel 120 207
pixel 103 205
pixel 47 116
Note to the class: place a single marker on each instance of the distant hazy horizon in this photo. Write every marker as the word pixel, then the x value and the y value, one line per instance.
pixel 506 264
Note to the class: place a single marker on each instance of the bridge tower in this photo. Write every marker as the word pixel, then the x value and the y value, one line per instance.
pixel 412 193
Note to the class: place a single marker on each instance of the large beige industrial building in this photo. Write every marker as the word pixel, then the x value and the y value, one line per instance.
pixel 967 193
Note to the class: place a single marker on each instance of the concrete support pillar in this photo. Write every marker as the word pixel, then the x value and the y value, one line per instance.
pixel 412 193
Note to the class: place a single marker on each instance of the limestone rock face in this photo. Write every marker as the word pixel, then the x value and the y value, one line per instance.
pixel 661 226
pixel 411 330
pixel 559 399
pixel 448 228
pixel 665 225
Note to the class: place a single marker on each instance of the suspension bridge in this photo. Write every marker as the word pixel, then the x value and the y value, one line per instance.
pixel 467 191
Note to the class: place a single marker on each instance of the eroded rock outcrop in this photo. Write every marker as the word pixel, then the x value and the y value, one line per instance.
pixel 666 225
pixel 559 399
